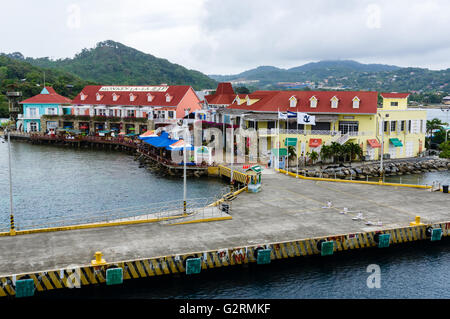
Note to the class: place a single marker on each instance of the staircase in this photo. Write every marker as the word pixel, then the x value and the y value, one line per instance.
pixel 342 139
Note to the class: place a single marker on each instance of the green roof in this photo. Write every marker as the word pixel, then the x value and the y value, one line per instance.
pixel 256 168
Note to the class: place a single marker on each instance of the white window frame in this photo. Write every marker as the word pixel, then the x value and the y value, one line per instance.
pixel 313 102
pixel 356 101
pixel 334 102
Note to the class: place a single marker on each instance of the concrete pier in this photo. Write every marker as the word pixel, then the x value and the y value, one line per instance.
pixel 289 214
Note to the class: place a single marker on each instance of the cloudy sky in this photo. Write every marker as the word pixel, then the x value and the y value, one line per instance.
pixel 226 37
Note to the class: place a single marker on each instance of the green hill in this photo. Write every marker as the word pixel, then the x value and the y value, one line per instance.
pixel 347 74
pixel 18 75
pixel 114 63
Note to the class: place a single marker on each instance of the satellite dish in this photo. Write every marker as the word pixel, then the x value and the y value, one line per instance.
pixel 180 123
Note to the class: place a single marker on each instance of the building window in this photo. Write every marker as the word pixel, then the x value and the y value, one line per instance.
pixel 293 101
pixel 394 103
pixel 334 102
pixel 313 102
pixel 51 111
pixel 168 98
pixel 170 115
pixel 149 97
pixel 356 102
pixel 402 126
pixel 33 127
pixel 270 125
pixel 393 123
pixel 130 113
pixel 409 125
pixel 385 126
pixel 115 97
pixel 348 126
pixel 132 97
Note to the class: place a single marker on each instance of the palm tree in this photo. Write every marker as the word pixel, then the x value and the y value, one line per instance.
pixel 314 156
pixel 336 151
pixel 353 150
pixel 326 152
pixel 434 124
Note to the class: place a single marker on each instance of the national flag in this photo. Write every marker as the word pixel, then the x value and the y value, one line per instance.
pixel 291 114
pixel 282 116
pixel 303 118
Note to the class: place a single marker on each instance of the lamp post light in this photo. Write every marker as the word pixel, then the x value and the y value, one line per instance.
pixel 184 169
pixel 382 147
pixel 12 230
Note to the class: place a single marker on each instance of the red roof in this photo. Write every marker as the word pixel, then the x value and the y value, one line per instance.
pixel 395 95
pixel 47 98
pixel 273 101
pixel 224 95
pixel 141 98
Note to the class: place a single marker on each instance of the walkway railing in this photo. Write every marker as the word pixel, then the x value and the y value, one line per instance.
pixel 155 211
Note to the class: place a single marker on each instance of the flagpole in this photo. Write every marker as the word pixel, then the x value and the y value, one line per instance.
pixel 287 146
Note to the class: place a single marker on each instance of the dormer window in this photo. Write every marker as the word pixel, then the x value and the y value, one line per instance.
pixel 313 102
pixel 356 101
pixel 82 96
pixel 115 97
pixel 149 97
pixel 238 100
pixel 168 97
pixel 248 100
pixel 293 101
pixel 334 102
pixel 98 97
pixel 132 97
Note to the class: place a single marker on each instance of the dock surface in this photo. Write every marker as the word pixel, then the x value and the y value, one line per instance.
pixel 286 209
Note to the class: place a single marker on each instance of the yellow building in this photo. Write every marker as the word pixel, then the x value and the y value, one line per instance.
pixel 340 116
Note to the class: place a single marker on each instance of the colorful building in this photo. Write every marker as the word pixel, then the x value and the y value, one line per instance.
pixel 36 108
pixel 340 116
pixel 132 109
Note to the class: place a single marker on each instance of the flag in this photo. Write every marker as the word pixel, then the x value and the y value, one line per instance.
pixel 303 118
pixel 282 116
pixel 291 114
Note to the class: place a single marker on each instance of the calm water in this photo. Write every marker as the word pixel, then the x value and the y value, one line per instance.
pixel 54 182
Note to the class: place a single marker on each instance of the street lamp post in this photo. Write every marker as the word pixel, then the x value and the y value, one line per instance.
pixel 184 171
pixel 382 148
pixel 232 154
pixel 12 227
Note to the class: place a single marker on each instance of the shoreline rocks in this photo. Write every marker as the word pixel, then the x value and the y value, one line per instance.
pixel 362 170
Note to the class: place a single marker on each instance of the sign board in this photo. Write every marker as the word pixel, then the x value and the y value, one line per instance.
pixel 134 89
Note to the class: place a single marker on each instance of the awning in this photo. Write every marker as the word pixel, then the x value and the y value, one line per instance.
pixel 150 133
pixel 179 146
pixel 315 142
pixel 396 142
pixel 279 151
pixel 160 141
pixel 373 143
pixel 255 168
pixel 290 141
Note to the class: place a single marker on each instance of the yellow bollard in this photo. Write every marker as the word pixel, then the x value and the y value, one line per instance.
pixel 98 259
pixel 416 222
